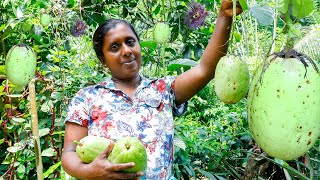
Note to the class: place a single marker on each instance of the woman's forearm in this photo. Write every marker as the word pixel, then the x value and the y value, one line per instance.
pixel 218 44
pixel 74 166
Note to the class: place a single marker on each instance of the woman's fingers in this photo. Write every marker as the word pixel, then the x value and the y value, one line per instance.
pixel 107 151
pixel 120 167
pixel 227 7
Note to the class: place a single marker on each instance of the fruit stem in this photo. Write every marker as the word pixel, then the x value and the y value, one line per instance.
pixel 127 146
pixel 77 143
pixel 234 9
pixel 288 27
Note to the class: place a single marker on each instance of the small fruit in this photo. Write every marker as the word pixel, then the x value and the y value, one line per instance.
pixel 161 33
pixel 231 82
pixel 45 20
pixel 284 105
pixel 89 147
pixel 21 63
pixel 129 149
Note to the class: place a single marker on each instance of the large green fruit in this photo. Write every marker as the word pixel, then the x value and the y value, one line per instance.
pixel 284 105
pixel 45 20
pixel 129 149
pixel 89 147
pixel 161 33
pixel 21 63
pixel 231 82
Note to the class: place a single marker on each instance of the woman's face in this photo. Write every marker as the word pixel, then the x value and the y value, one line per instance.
pixel 122 52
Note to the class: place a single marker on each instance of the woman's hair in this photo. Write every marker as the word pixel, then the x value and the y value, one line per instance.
pixel 103 28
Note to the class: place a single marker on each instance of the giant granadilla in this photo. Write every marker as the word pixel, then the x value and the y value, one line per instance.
pixel 195 15
pixel 78 28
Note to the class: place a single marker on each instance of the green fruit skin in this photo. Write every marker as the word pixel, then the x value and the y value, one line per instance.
pixel 129 149
pixel 21 63
pixel 89 147
pixel 231 82
pixel 45 19
pixel 284 108
pixel 161 33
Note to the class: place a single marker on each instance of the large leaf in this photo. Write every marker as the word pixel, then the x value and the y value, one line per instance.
pixel 244 5
pixel 182 63
pixel 310 43
pixel 302 8
pixel 263 14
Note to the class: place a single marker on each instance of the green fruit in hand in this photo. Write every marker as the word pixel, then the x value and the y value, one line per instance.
pixel 21 63
pixel 161 33
pixel 45 19
pixel 284 106
pixel 129 149
pixel 231 82
pixel 89 147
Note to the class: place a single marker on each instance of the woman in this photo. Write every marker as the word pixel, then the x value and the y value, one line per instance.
pixel 128 104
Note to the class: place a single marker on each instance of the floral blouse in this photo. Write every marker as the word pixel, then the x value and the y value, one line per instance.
pixel 109 112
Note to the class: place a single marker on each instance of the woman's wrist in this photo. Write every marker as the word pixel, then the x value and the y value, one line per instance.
pixel 223 17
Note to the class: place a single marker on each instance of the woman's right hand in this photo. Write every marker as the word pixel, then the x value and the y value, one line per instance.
pixel 103 169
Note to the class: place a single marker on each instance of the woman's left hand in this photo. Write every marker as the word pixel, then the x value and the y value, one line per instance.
pixel 226 8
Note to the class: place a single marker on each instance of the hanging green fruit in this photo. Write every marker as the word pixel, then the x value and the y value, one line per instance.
pixel 231 82
pixel 21 63
pixel 284 105
pixel 161 33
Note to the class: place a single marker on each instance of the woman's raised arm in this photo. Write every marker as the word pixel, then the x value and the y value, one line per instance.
pixel 192 81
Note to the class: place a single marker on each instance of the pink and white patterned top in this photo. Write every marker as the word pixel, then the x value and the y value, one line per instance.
pixel 109 112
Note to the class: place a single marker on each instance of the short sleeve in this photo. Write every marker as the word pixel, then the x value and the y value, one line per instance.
pixel 78 109
pixel 182 108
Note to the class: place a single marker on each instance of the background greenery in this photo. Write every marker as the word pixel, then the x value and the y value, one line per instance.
pixel 212 138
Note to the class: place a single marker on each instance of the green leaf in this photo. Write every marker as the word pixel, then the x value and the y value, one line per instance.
pixel 21 170
pixel 177 141
pixel 207 174
pixel 182 63
pixel 302 8
pixel 244 5
pixel 285 7
pixel 48 152
pixel 14 149
pixel 47 106
pixel 3 26
pixel 148 44
pixel 44 131
pixel 2 141
pixel 19 13
pixel 51 169
pixel 18 120
pixel 157 10
pixel 14 95
pixel 263 14
pixel 237 36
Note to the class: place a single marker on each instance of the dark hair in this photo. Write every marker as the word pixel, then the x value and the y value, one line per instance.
pixel 103 28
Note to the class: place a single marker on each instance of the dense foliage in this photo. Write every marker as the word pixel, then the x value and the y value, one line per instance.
pixel 212 138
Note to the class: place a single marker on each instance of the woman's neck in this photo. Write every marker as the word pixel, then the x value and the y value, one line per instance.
pixel 128 86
